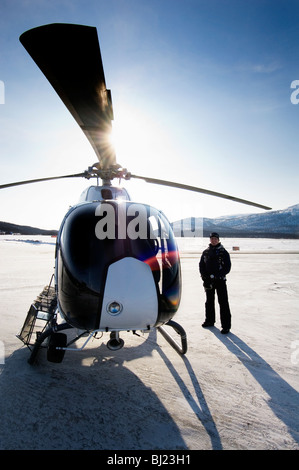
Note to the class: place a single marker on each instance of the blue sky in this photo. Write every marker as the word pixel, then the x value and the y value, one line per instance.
pixel 201 93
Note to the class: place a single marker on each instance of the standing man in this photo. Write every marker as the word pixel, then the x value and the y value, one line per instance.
pixel 213 266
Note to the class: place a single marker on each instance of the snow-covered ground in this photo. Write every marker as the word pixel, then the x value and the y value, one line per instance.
pixel 238 391
pixel 254 245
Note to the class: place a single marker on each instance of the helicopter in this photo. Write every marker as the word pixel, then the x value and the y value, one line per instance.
pixel 117 264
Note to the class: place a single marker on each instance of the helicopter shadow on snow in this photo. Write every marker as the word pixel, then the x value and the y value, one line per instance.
pixel 93 401
pixel 284 399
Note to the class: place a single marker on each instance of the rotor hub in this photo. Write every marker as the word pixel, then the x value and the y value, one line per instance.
pixel 108 174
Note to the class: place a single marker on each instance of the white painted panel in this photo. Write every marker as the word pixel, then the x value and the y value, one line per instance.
pixel 130 283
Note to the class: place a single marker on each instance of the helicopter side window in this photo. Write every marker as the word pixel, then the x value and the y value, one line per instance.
pixel 158 248
pixel 171 273
pixel 143 242
pixel 169 255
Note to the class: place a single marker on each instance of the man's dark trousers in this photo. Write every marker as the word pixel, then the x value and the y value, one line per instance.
pixel 219 286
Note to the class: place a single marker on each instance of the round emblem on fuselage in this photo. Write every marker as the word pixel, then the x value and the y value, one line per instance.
pixel 114 308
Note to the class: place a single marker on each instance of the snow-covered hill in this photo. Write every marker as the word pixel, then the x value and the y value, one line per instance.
pixel 281 223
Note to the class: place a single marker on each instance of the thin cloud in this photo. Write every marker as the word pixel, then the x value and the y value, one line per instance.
pixel 259 68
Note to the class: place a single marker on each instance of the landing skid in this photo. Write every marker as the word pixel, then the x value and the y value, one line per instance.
pixel 57 341
pixel 180 348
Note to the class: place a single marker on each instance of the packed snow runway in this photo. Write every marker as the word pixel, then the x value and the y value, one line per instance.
pixel 238 391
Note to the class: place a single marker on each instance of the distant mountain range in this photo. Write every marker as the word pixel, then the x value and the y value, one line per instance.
pixel 7 228
pixel 272 224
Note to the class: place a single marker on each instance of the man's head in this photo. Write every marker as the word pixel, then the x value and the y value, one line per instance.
pixel 214 238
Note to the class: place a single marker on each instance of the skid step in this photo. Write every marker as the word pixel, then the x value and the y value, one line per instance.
pixel 40 314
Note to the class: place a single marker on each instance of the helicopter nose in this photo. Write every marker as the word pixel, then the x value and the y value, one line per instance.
pixel 130 297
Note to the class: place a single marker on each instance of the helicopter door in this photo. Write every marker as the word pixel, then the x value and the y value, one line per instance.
pixel 130 302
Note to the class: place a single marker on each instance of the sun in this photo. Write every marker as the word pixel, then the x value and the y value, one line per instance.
pixel 132 134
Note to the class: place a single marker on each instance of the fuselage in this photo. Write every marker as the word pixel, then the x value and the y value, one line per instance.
pixel 117 264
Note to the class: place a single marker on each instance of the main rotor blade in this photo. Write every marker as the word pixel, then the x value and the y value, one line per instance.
pixel 19 183
pixel 199 190
pixel 69 56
